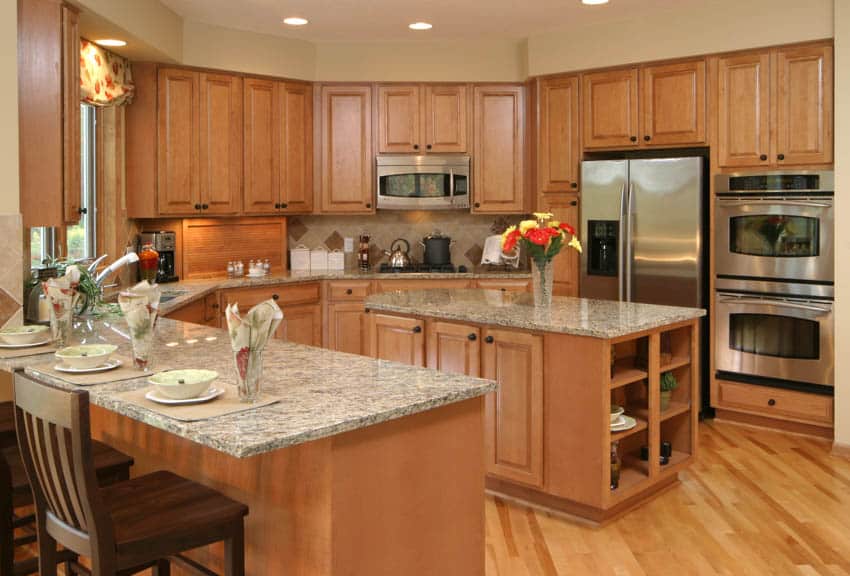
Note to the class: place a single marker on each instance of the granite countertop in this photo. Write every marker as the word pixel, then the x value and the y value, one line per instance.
pixel 575 316
pixel 322 392
pixel 191 290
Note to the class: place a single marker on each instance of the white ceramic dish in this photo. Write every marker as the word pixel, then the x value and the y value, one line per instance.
pixel 182 384
pixel 33 345
pixel 616 412
pixel 85 356
pixel 625 423
pixel 24 335
pixel 210 394
pixel 110 364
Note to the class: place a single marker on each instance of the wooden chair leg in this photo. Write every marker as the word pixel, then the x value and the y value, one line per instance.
pixel 46 548
pixel 7 531
pixel 234 552
pixel 162 568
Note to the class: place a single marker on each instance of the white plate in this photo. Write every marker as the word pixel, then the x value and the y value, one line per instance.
pixel 110 364
pixel 627 424
pixel 213 392
pixel 32 345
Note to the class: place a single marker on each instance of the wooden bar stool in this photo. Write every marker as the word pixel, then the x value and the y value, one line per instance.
pixel 122 528
pixel 110 465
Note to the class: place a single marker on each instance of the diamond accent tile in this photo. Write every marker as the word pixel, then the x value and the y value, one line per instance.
pixel 296 228
pixel 474 254
pixel 8 307
pixel 335 241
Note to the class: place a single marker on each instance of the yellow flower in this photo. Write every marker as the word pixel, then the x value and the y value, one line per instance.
pixel 543 215
pixel 507 232
pixel 527 225
pixel 554 224
pixel 574 243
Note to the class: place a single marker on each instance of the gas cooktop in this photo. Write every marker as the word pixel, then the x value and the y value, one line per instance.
pixel 417 268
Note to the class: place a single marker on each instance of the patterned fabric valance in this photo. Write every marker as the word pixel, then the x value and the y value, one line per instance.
pixel 105 78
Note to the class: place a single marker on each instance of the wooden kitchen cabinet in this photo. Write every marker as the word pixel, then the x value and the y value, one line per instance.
pixel 278 147
pixel 499 149
pixel 610 106
pixel 445 126
pixel 398 118
pixel 514 413
pixel 178 185
pixel 558 140
pixel 505 285
pixel 203 311
pixel 422 118
pixel 454 348
pixel 345 129
pixel 566 264
pixel 396 338
pixel 220 149
pixel 743 109
pixel 673 103
pixel 346 316
pixel 49 113
pixel 302 324
pixel 804 110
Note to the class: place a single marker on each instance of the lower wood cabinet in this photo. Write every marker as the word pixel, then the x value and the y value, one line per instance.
pixel 202 311
pixel 345 327
pixel 301 305
pixel 505 285
pixel 454 348
pixel 302 324
pixel 396 338
pixel 566 264
pixel 514 414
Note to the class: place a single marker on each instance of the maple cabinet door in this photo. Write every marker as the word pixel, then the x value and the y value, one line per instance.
pixel 397 338
pixel 262 185
pixel 558 148
pixel 743 110
pixel 345 327
pixel 178 189
pixel 673 103
pixel 446 128
pixel 296 148
pixel 454 348
pixel 398 119
pixel 220 144
pixel 610 104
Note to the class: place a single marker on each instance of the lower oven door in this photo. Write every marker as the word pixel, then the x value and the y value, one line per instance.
pixel 784 338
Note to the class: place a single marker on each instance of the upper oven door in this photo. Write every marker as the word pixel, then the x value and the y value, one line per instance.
pixel 773 337
pixel 787 238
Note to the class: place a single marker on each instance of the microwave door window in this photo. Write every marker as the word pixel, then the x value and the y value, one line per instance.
pixel 774 335
pixel 399 186
pixel 433 185
pixel 775 236
pixel 415 186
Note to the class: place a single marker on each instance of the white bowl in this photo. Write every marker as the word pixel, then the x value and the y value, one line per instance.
pixel 183 384
pixel 85 356
pixel 20 335
pixel 616 412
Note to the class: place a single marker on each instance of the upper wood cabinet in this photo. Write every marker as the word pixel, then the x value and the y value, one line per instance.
pixel 397 338
pixel 499 149
pixel 422 118
pixel 454 348
pixel 673 103
pixel 804 111
pixel 513 422
pixel 346 166
pixel 49 113
pixel 278 147
pixel 610 104
pixel 220 150
pixel 178 188
pixel 743 109
pixel 558 146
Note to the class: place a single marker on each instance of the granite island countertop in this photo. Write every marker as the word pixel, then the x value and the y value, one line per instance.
pixel 322 392
pixel 188 291
pixel 575 316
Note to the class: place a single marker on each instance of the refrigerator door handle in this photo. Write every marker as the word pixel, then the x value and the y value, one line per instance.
pixel 629 217
pixel 621 242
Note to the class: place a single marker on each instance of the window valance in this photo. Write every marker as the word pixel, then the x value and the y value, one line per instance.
pixel 105 78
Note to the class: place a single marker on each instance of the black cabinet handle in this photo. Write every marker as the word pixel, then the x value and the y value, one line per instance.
pixel 417 329
pixel 771 402
pixel 368 204
pixel 205 206
pixel 633 138
pixel 472 337
pixel 489 340
pixel 284 205
pixel 416 146
pixel 780 156
pixel 763 157
pixel 478 205
pixel 275 297
pixel 82 210
pixel 197 206
pixel 573 184
pixel 647 138
pixel 277 205
pixel 428 146
pixel 573 202
pixel 214 306
pixel 349 292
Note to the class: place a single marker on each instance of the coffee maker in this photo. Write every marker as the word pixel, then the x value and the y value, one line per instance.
pixel 165 243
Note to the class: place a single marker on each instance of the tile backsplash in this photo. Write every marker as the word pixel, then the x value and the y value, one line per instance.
pixel 467 230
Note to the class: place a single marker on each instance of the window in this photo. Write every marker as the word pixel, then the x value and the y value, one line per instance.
pixel 79 239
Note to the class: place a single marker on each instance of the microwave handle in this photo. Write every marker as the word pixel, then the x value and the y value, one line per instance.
pixel 779 303
pixel 451 184
pixel 778 201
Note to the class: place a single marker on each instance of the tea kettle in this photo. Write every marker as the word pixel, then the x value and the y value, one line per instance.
pixel 399 258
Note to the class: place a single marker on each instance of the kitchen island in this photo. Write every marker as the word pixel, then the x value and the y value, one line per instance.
pixel 362 467
pixel 560 370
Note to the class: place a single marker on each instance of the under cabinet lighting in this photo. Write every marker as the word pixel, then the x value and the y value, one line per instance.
pixel 594 2
pixel 420 26
pixel 295 21
pixel 110 42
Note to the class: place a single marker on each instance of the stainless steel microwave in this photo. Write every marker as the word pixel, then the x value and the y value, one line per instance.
pixel 423 182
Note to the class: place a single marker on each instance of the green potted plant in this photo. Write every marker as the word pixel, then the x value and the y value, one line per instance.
pixel 668 384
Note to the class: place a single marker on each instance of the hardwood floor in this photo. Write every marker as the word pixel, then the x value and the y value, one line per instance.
pixel 757 502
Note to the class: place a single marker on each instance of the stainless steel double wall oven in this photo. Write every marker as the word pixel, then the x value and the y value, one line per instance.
pixel 775 278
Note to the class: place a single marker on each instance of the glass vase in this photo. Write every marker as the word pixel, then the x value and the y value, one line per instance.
pixel 249 374
pixel 142 343
pixel 542 274
pixel 61 321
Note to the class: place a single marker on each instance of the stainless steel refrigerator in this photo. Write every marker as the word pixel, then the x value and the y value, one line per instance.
pixel 641 228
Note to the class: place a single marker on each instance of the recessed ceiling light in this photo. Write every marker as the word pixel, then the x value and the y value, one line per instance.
pixel 110 42
pixel 420 26
pixel 295 21
pixel 594 2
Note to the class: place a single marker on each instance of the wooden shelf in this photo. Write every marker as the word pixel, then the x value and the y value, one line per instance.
pixel 625 373
pixel 639 427
pixel 675 409
pixel 675 362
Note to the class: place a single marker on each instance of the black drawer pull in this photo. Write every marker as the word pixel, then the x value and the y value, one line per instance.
pixel 633 138
pixel 573 202
pixel 275 297
pixel 780 156
pixel 417 329
pixel 489 340
pixel 771 402
pixel 647 138
pixel 197 206
pixel 472 337
pixel 205 206
pixel 573 184
pixel 349 291
pixel 763 157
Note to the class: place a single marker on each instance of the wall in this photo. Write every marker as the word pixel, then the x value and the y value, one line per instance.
pixel 842 217
pixel 227 49
pixel 478 60
pixel 714 26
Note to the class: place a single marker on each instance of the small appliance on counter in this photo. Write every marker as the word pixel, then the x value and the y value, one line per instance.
pixel 165 244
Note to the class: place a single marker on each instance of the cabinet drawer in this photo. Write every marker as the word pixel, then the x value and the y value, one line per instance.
pixel 211 308
pixel 390 285
pixel 506 285
pixel 341 291
pixel 775 402
pixel 284 294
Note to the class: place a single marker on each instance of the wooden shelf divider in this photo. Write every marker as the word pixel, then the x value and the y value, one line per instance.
pixel 675 362
pixel 639 427
pixel 625 373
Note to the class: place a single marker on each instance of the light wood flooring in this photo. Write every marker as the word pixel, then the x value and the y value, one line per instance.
pixel 756 503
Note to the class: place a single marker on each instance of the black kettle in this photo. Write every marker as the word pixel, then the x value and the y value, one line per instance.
pixel 437 249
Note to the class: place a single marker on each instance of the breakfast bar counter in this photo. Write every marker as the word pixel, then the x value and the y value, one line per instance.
pixel 362 466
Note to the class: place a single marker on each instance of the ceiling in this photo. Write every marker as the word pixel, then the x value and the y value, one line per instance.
pixel 387 20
